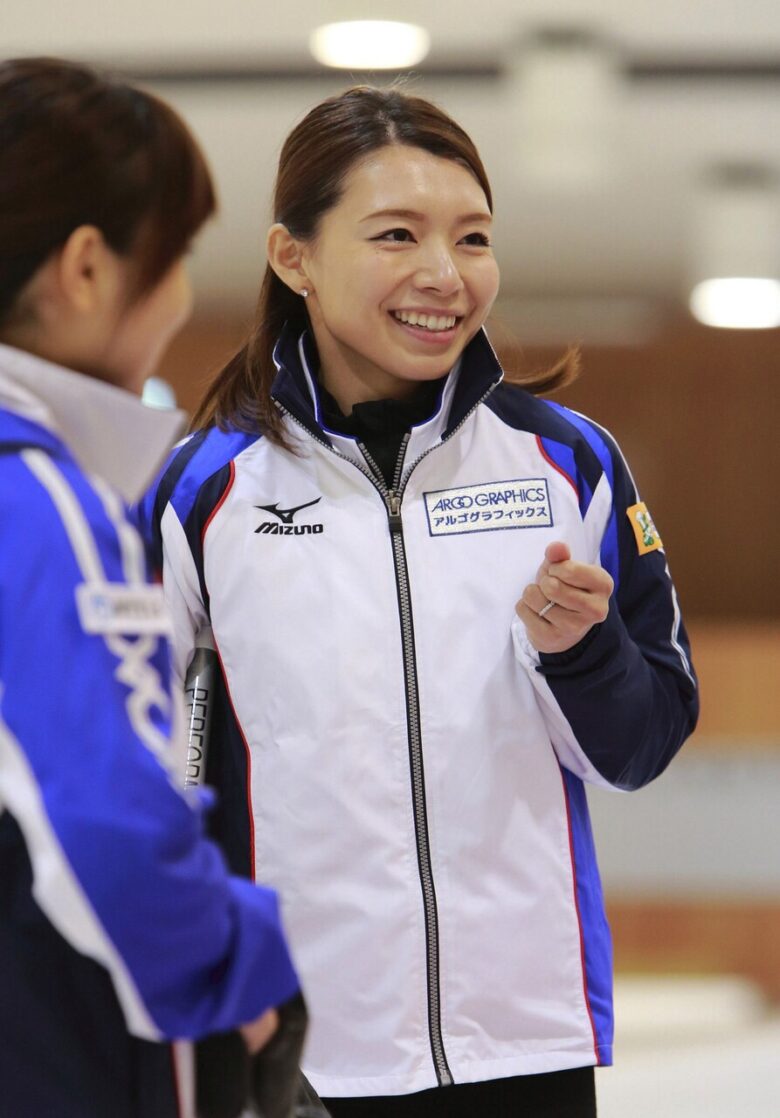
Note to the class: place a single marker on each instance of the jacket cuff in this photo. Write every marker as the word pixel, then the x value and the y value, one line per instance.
pixel 601 643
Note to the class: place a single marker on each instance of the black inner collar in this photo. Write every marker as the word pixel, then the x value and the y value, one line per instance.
pixel 380 425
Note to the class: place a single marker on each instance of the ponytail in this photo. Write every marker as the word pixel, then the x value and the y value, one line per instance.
pixel 240 395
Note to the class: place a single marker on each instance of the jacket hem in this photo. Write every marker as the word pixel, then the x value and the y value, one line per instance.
pixel 478 1071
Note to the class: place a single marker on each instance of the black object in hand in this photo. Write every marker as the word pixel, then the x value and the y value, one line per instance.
pixel 279 1089
pixel 269 1084
pixel 308 1103
pixel 222 1075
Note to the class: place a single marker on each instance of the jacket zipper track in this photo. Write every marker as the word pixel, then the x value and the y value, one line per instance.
pixel 414 734
pixel 414 737
pixel 392 498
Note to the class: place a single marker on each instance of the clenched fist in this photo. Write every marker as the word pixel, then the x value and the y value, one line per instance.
pixel 572 597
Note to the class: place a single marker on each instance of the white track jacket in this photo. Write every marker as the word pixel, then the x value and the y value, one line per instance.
pixel 392 755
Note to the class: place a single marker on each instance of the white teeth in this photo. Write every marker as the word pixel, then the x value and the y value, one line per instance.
pixel 428 321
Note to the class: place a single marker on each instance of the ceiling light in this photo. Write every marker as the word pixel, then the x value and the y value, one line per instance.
pixel 735 262
pixel 737 302
pixel 370 44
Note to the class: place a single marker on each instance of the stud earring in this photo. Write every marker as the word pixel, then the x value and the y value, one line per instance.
pixel 305 292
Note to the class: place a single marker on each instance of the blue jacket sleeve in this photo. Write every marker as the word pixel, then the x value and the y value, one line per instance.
pixel 628 689
pixel 121 866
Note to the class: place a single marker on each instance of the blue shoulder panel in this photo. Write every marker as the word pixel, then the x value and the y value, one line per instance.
pixel 214 449
pixel 607 454
pixel 593 436
pixel 182 479
pixel 563 440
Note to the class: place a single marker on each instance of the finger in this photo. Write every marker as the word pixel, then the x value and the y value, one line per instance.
pixel 582 576
pixel 585 604
pixel 533 598
pixel 538 628
pixel 556 631
pixel 542 616
pixel 257 1033
pixel 556 552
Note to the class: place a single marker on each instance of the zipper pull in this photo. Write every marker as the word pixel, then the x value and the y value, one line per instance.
pixel 393 502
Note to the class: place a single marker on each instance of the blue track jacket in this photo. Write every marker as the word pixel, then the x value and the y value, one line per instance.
pixel 120 927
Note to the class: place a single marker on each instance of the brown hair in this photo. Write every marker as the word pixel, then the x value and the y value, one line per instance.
pixel 313 165
pixel 80 148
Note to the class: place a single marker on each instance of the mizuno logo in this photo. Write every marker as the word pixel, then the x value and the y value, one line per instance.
pixel 286 515
pixel 285 526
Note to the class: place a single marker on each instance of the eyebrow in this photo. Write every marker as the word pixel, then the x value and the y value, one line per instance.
pixel 413 215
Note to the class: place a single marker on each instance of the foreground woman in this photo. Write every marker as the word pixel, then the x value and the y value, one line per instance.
pixel 119 926
pixel 440 607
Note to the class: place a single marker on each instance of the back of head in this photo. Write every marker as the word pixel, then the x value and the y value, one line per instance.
pixel 79 148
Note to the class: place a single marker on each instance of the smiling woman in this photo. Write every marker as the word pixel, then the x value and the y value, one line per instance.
pixel 395 293
pixel 418 685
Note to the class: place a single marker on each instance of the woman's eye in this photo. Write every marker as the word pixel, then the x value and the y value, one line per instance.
pixel 398 235
pixel 480 239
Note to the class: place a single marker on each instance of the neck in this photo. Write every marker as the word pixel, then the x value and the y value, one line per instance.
pixel 27 333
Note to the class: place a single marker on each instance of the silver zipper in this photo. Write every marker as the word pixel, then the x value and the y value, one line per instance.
pixel 414 736
pixel 443 1073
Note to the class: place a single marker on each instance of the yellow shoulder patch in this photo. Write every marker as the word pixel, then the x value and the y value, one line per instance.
pixel 647 538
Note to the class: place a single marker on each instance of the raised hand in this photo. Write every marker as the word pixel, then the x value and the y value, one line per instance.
pixel 566 601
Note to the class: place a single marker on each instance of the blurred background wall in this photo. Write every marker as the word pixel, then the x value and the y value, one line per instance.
pixel 634 149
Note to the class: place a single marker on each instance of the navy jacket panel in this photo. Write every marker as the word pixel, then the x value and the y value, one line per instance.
pixel 628 689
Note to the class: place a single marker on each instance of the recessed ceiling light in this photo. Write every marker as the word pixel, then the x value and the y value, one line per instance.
pixel 737 303
pixel 734 237
pixel 370 44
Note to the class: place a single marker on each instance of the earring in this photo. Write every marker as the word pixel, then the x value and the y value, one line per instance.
pixel 305 292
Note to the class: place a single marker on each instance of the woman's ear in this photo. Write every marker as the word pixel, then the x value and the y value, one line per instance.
pixel 86 270
pixel 285 255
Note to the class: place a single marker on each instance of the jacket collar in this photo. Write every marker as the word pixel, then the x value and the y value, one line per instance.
pixel 295 388
pixel 107 430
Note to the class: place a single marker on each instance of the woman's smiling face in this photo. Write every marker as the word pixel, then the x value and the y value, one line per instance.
pixel 401 274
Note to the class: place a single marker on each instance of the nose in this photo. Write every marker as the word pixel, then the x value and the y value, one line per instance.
pixel 437 270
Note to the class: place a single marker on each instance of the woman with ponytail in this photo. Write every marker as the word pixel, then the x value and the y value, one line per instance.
pixel 439 608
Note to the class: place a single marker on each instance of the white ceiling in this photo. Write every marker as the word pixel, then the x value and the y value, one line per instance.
pixel 564 252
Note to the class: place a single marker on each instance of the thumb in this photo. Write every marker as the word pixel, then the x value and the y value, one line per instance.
pixel 557 552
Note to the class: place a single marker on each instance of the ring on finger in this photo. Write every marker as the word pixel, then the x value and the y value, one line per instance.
pixel 546 609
